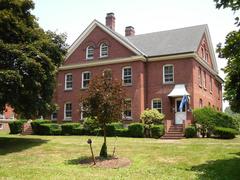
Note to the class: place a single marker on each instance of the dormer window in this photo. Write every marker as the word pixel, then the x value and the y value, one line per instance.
pixel 103 50
pixel 89 52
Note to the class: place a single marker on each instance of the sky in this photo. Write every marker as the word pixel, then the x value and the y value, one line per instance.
pixel 73 16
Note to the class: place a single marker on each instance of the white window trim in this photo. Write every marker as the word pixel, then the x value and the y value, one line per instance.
pixel 67 118
pixel 204 80
pixel 164 74
pixel 89 58
pixel 83 77
pixel 65 82
pixel 158 100
pixel 103 56
pixel 128 117
pixel 127 84
pixel 211 84
pixel 1 126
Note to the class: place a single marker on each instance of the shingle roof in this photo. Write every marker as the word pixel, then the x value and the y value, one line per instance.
pixel 169 42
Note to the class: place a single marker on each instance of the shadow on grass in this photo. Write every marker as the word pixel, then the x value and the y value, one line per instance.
pixel 12 145
pixel 81 160
pixel 219 169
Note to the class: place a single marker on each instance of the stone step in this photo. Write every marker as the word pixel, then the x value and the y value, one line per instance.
pixel 168 137
pixel 174 134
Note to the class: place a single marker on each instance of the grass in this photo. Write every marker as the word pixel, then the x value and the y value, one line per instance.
pixel 54 157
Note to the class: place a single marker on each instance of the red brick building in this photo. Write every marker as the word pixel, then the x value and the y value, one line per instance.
pixel 157 70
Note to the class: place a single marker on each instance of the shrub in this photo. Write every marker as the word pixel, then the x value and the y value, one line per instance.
pixel 204 117
pixel 157 131
pixel 36 125
pixel 78 131
pixel 151 116
pixel 89 125
pixel 225 133
pixel 122 132
pixel 103 152
pixel 117 125
pixel 67 128
pixel 136 130
pixel 50 129
pixel 190 132
pixel 16 127
pixel 224 120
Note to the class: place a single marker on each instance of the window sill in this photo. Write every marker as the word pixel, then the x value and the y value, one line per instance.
pixel 200 86
pixel 205 88
pixel 210 92
pixel 67 119
pixel 84 88
pixel 103 57
pixel 127 85
pixel 89 59
pixel 127 118
pixel 68 89
pixel 168 83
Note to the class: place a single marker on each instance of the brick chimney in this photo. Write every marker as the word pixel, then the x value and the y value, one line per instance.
pixel 110 21
pixel 129 31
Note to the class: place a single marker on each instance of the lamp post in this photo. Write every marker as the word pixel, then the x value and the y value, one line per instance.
pixel 89 141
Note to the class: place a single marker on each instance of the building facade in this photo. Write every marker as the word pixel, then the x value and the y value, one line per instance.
pixel 156 70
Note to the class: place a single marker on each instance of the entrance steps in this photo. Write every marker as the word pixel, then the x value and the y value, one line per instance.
pixel 27 129
pixel 174 132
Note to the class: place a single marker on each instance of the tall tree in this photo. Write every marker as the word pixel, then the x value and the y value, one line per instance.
pixel 231 51
pixel 29 58
pixel 104 102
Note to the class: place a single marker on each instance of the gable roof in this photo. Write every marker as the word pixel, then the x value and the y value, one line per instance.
pixel 112 33
pixel 169 42
pixel 162 43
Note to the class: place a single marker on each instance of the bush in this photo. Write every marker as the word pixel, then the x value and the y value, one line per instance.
pixel 122 132
pixel 50 129
pixel 157 131
pixel 190 132
pixel 89 125
pixel 16 127
pixel 67 128
pixel 207 118
pixel 36 125
pixel 136 130
pixel 225 133
pixel 78 131
pixel 151 116
pixel 117 125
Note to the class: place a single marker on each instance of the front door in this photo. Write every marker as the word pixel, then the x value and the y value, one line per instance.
pixel 179 116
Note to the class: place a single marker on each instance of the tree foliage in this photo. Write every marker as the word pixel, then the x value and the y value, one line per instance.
pixel 104 102
pixel 29 58
pixel 231 51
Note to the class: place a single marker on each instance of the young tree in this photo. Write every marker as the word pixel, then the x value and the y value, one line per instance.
pixel 29 59
pixel 103 101
pixel 231 51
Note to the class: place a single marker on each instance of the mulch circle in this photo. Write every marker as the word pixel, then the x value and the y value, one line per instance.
pixel 110 162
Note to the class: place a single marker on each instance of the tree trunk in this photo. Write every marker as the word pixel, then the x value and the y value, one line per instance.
pixel 105 133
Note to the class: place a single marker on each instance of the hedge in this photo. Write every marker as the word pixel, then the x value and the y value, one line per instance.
pixel 36 126
pixel 16 127
pixel 225 133
pixel 50 129
pixel 78 131
pixel 157 131
pixel 67 128
pixel 190 132
pixel 136 130
pixel 122 132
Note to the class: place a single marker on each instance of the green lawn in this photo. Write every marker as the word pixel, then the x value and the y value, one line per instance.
pixel 54 157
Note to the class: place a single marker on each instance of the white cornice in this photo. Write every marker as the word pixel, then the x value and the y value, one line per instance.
pixel 103 62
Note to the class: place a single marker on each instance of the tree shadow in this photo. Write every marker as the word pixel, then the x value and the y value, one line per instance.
pixel 222 169
pixel 80 160
pixel 13 144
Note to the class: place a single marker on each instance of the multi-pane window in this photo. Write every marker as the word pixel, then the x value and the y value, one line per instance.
pixel 68 81
pixel 86 76
pixel 157 104
pixel 54 116
pixel 103 50
pixel 200 103
pixel 89 52
pixel 1 126
pixel 168 74
pixel 210 84
pixel 204 80
pixel 128 108
pixel 68 111
pixel 127 75
pixel 200 76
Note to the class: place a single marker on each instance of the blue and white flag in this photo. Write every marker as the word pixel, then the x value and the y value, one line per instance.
pixel 183 103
